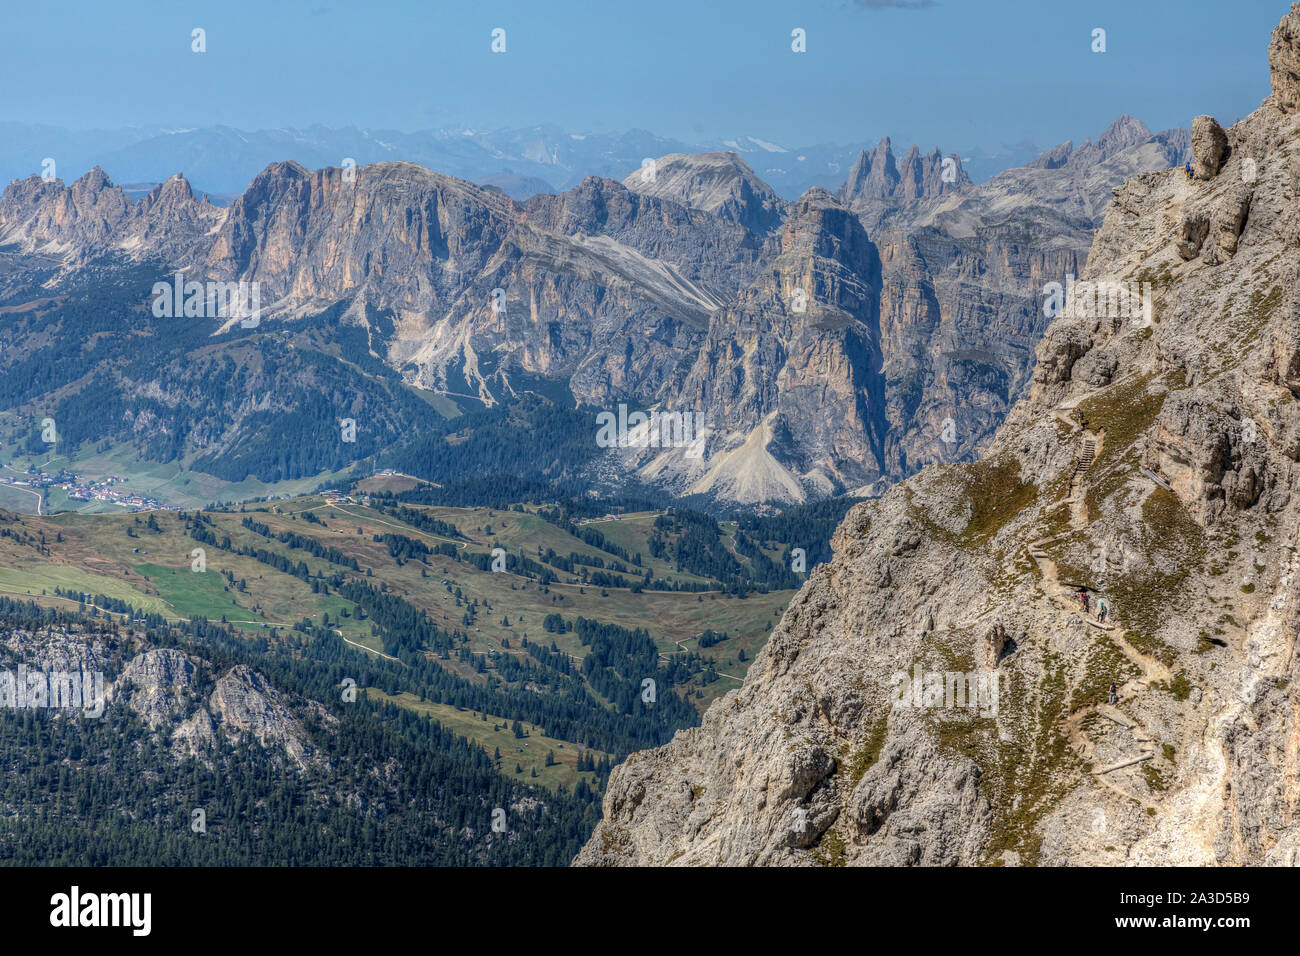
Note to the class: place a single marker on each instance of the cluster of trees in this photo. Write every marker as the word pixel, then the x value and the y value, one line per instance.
pixel 402 626
pixel 574 558
pixel 710 638
pixel 533 439
pixel 618 663
pixel 102 601
pixel 112 792
pixel 403 549
pixel 515 564
pixel 807 526
pixel 556 624
pixel 587 535
pixel 551 657
pixel 421 520
pixel 201 530
pixel 313 547
pixel 694 542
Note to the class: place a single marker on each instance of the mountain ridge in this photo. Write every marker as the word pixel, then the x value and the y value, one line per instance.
pixel 640 290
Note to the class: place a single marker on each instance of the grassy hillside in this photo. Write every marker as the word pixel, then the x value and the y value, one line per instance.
pixel 308 563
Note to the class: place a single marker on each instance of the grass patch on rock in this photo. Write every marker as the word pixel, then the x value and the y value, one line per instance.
pixel 1029 774
pixel 830 849
pixel 997 495
pixel 865 758
pixel 1173 546
pixel 1124 412
pixel 1105 663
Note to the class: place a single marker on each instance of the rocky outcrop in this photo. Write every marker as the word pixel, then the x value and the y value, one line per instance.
pixel 244 702
pixel 1209 147
pixel 161 685
pixel 54 649
pixel 93 217
pixel 1211 459
pixel 1227 223
pixel 87 213
pixel 1193 227
pixel 1284 62
pixel 165 688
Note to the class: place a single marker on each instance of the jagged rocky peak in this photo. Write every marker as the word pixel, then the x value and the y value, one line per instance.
pixel 1054 158
pixel 720 183
pixel 22 194
pixel 169 208
pixel 1124 133
pixel 59 216
pixel 93 216
pixel 175 189
pixel 91 183
pixel 940 694
pixel 876 175
pixel 1120 135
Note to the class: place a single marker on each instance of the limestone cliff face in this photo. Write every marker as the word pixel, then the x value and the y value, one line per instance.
pixel 397 229
pixel 804 337
pixel 1175 501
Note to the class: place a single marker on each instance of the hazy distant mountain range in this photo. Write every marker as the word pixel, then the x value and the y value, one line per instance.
pixel 222 160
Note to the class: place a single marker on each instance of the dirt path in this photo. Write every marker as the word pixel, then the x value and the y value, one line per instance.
pixel 681 646
pixel 346 640
pixel 1150 670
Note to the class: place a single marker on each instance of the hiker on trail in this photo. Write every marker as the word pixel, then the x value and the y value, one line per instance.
pixel 1102 608
pixel 1112 696
pixel 1187 168
pixel 1083 599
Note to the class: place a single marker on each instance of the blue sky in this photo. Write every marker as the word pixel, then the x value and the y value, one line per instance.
pixel 952 73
